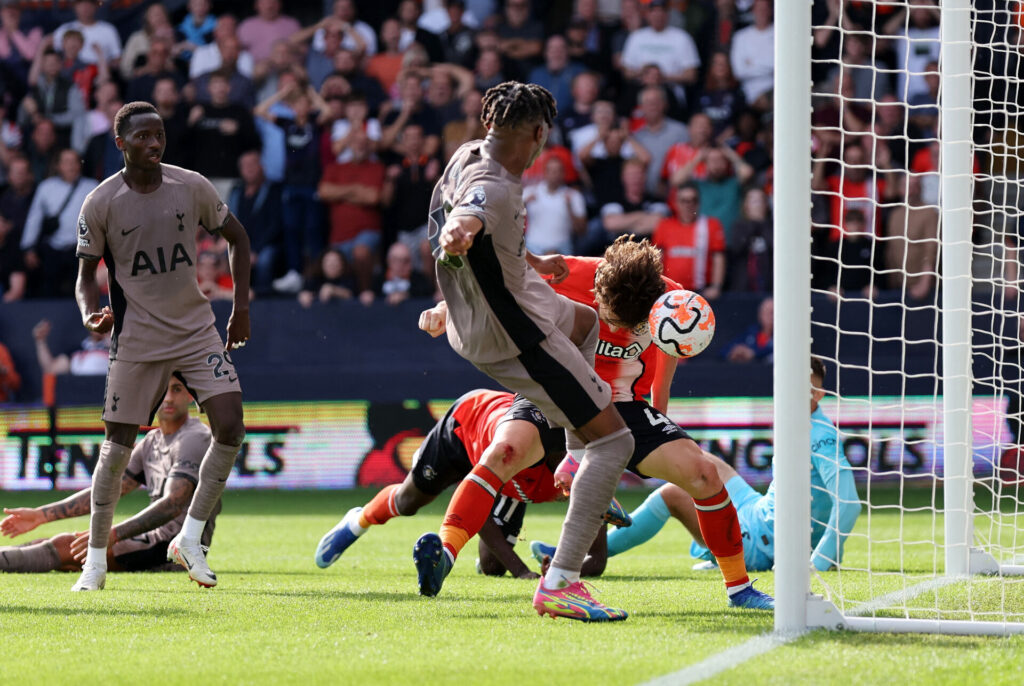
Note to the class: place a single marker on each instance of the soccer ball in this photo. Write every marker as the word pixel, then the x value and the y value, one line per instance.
pixel 682 323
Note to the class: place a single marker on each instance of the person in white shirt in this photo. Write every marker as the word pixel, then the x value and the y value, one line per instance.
pixel 554 212
pixel 753 55
pixel 97 34
pixel 208 58
pixel 915 46
pixel 672 49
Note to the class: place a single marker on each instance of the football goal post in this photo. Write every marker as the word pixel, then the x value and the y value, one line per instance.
pixel 899 239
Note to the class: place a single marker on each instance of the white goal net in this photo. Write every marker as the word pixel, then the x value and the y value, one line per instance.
pixel 916 305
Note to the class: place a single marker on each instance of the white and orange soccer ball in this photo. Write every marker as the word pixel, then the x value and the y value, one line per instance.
pixel 682 323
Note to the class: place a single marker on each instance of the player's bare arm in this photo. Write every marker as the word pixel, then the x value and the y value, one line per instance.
pixel 21 520
pixel 551 266
pixel 87 294
pixel 433 320
pixel 491 535
pixel 177 495
pixel 458 232
pixel 239 260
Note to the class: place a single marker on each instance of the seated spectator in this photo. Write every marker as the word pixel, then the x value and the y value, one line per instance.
pixel 555 213
pixel 915 46
pixel 445 88
pixel 209 58
pixel 720 188
pixel 856 187
pixel 17 46
pixel 721 98
pixel 352 192
pixel 415 30
pixel 167 99
pixel 400 281
pixel 651 76
pixel 196 29
pixel 219 132
pixel 102 156
pixel 751 246
pixel 42 149
pixel 12 267
pixel 520 38
pixel 332 280
pixel 158 64
pixel 753 57
pixel 557 72
pixel 535 172
pixel 412 110
pixel 240 89
pixel 89 358
pixel 214 278
pixel 10 379
pixel 603 146
pixel 51 229
pixel 156 23
pixel 406 197
pixel 635 211
pixel 859 65
pixel 100 36
pixel 912 244
pixel 671 48
pixel 261 33
pixel 320 58
pixel 679 165
pixel 586 88
pixel 257 204
pixel 457 39
pixel 756 344
pixel 859 261
pixel 356 124
pixel 16 198
pixel 81 73
pixel 923 107
pixel 488 70
pixel 747 142
pixel 355 80
pixel 468 127
pixel 54 98
pixel 692 245
pixel 301 210
pixel 589 39
pixel 658 134
pixel 268 74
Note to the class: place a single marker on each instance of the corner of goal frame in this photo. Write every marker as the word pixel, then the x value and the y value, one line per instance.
pixel 822 614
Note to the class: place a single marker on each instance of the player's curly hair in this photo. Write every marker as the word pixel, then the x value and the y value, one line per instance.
pixel 629 280
pixel 124 115
pixel 510 104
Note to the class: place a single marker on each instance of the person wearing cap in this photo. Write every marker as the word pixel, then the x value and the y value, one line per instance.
pixel 101 38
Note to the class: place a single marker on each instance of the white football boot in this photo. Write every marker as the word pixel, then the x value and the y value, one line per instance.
pixel 190 555
pixel 92 579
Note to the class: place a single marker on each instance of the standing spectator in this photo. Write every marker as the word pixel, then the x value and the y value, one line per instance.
pixel 320 63
pixel 489 70
pixel 267 75
pixel 99 35
pixel 51 229
pixel 219 132
pixel 635 211
pixel 557 72
pixel 692 245
pixel 399 281
pixel 387 64
pixel 457 40
pixel 259 34
pixel 630 21
pixel 10 379
pixel 589 38
pixel 89 358
pixel 80 73
pixel 753 57
pixel 586 88
pixel 208 58
pixel 414 31
pixel 155 24
pixel 42 149
pixel 555 213
pixel 53 97
pixel 361 39
pixel 447 84
pixel 466 129
pixel 301 209
pixel 680 164
pixel 602 146
pixel 747 141
pixel 720 188
pixel 721 98
pixel 521 38
pixel 406 196
pixel 912 243
pixel 196 29
pixel 916 46
pixel 757 343
pixel 859 261
pixel 332 280
pixel 257 204
pixel 657 135
pixel 854 185
pixel 671 48
pixel 240 86
pixel 12 267
pixel 17 47
pixel 346 65
pixel 356 123
pixel 167 99
pixel 650 77
pixel 159 64
pixel 859 66
pixel 16 198
pixel 102 156
pixel 352 193
pixel 751 246
pixel 412 110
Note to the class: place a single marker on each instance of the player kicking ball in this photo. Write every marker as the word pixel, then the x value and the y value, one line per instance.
pixel 143 222
pixel 622 286
pixel 835 504
pixel 504 319
pixel 166 462
pixel 447 455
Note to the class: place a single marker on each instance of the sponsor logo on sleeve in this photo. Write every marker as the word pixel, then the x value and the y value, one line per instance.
pixel 83 227
pixel 475 197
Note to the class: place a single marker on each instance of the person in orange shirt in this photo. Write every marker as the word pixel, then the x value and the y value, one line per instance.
pixel 10 380
pixel 693 245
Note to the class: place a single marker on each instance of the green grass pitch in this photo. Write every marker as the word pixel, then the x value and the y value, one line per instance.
pixel 277 619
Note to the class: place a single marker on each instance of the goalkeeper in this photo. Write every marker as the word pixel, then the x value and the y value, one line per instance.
pixel 835 505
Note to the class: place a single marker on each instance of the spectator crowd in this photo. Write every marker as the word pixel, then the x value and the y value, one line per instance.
pixel 326 131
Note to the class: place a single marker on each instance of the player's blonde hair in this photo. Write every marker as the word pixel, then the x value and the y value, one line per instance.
pixel 629 280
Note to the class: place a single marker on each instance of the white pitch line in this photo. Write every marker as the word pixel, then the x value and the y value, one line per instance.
pixel 759 645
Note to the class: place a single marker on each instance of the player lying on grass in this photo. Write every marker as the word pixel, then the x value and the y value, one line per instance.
pixel 166 462
pixel 835 505
pixel 622 286
pixel 450 451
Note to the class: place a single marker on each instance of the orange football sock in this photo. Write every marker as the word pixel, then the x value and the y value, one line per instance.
pixel 720 528
pixel 381 508
pixel 468 510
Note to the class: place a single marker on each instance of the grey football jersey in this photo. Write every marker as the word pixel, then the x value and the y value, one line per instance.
pixel 156 458
pixel 498 305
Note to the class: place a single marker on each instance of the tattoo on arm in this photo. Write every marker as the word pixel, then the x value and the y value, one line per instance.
pixel 178 494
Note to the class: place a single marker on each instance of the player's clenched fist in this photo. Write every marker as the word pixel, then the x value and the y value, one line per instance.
pixel 433 320
pixel 457 234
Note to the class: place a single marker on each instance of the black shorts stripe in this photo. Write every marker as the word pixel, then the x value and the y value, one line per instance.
pixel 118 303
pixel 561 386
pixel 486 268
